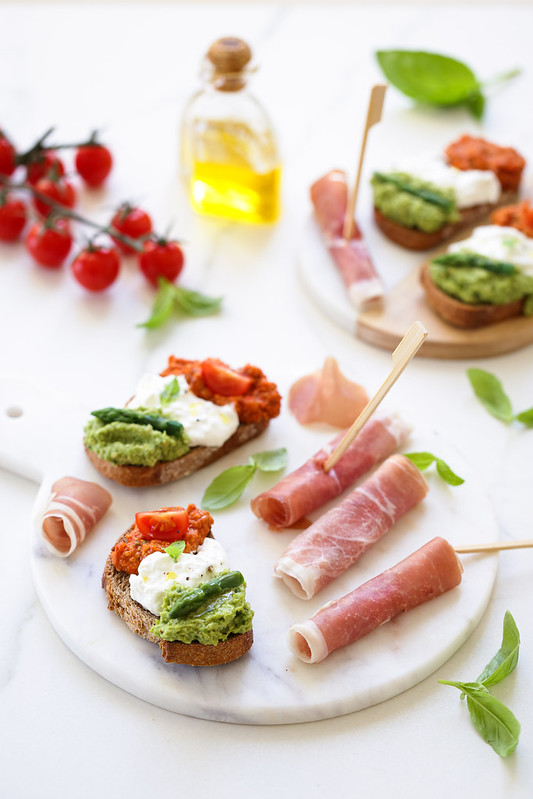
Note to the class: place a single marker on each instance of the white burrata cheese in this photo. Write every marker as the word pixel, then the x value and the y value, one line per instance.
pixel 206 424
pixel 470 186
pixel 158 571
pixel 500 243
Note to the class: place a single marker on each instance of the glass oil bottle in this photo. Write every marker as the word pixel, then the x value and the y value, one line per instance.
pixel 229 154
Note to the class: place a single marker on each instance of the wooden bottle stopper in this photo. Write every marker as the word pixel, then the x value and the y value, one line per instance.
pixel 229 57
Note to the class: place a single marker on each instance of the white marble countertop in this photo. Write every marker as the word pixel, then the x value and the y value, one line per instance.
pixel 128 70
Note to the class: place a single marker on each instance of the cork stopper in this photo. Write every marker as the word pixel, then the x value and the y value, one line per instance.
pixel 229 57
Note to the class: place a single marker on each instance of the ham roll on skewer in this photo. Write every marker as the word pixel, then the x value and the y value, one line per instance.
pixel 427 573
pixel 73 509
pixel 310 487
pixel 329 195
pixel 340 537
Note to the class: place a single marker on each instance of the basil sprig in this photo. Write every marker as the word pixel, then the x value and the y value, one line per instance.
pixel 175 299
pixel 477 261
pixel 175 549
pixel 230 485
pixel 424 459
pixel 435 79
pixel 428 195
pixel 494 721
pixel 170 392
pixel 490 392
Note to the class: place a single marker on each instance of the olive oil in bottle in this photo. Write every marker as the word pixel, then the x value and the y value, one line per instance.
pixel 229 153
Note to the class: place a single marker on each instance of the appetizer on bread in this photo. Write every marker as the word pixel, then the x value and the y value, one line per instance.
pixel 430 198
pixel 170 582
pixel 188 416
pixel 483 279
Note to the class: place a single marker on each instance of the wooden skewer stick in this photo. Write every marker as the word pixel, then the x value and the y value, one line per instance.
pixel 375 107
pixel 495 546
pixel 404 352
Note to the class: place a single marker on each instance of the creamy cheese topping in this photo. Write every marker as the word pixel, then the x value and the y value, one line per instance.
pixel 158 571
pixel 205 423
pixel 500 243
pixel 470 186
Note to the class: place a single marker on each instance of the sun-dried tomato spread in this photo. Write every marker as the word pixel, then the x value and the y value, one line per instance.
pixel 131 548
pixel 470 152
pixel 258 401
pixel 519 216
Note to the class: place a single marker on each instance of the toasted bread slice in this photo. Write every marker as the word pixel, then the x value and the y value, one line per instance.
pixel 168 471
pixel 117 587
pixel 413 239
pixel 463 314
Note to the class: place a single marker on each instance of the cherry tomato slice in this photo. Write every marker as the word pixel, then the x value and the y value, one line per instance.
pixel 93 163
pixel 167 524
pixel 222 380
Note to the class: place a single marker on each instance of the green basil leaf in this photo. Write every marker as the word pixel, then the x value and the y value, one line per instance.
pixel 476 104
pixel 270 461
pixel 429 77
pixel 494 721
pixel 506 658
pixel 162 308
pixel 424 459
pixel 175 549
pixel 195 304
pixel 170 392
pixel 228 487
pixel 489 391
pixel 526 417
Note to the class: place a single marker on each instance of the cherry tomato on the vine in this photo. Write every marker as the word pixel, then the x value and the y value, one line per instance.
pixel 49 242
pixel 13 216
pixel 8 154
pixel 161 258
pixel 132 222
pixel 93 163
pixel 42 165
pixel 59 191
pixel 96 268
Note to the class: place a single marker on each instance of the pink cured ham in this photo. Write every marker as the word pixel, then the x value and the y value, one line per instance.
pixel 309 487
pixel 73 509
pixel 327 396
pixel 340 537
pixel 329 195
pixel 427 573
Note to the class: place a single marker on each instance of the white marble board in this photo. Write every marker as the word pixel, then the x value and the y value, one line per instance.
pixel 267 686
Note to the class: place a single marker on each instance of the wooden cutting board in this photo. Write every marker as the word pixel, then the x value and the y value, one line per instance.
pixel 404 303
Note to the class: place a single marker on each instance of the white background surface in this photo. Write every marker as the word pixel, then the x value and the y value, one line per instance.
pixel 129 70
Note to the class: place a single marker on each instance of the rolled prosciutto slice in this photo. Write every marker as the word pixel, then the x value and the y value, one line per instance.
pixel 338 538
pixel 327 396
pixel 427 573
pixel 73 509
pixel 329 195
pixel 310 487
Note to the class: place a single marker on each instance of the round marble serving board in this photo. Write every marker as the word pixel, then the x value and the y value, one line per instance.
pixel 404 303
pixel 40 437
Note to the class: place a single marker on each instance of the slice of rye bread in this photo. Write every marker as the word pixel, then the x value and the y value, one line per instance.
pixel 413 239
pixel 463 314
pixel 117 587
pixel 168 471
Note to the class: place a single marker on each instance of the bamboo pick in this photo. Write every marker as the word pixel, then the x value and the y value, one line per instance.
pixel 375 107
pixel 402 355
pixel 495 546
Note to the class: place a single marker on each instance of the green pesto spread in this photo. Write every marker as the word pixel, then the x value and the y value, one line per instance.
pixel 132 444
pixel 479 286
pixel 219 618
pixel 410 210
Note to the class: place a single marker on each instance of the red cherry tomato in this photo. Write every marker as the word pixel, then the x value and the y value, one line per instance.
pixel 161 259
pixel 96 268
pixel 44 163
pixel 220 379
pixel 59 191
pixel 166 524
pixel 8 154
pixel 132 222
pixel 93 163
pixel 13 217
pixel 49 243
